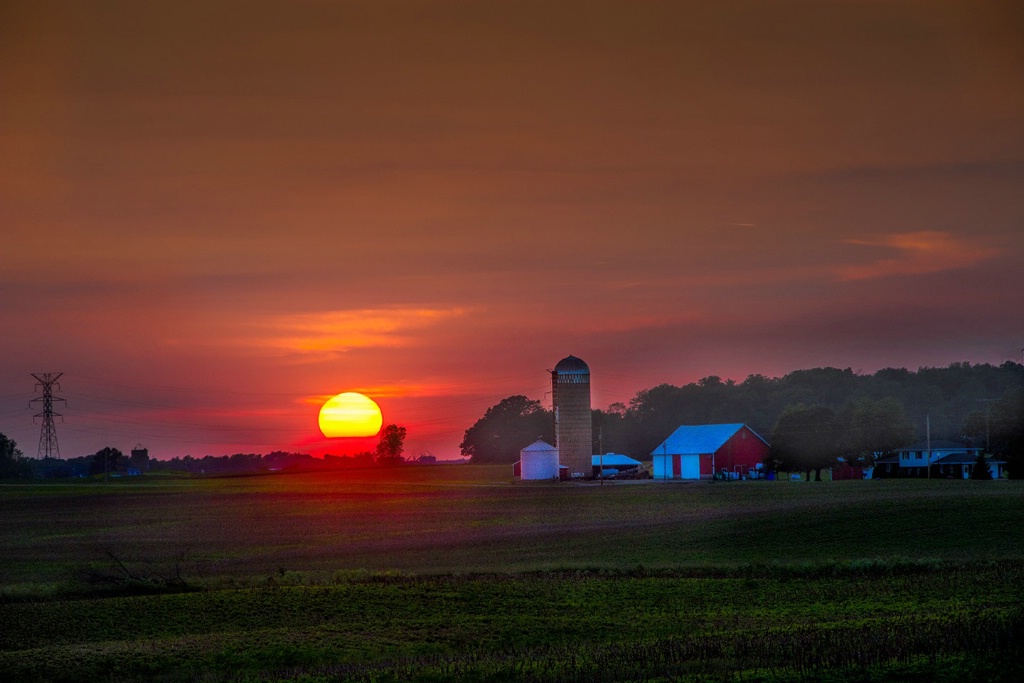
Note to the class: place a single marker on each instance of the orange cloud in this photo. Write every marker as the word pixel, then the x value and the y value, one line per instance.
pixel 376 391
pixel 921 252
pixel 338 331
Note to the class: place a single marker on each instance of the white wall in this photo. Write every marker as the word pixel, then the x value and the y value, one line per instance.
pixel 689 466
pixel 539 464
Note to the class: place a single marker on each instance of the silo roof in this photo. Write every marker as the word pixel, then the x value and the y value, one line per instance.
pixel 571 365
pixel 538 445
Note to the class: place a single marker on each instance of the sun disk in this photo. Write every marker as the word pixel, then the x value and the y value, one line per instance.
pixel 350 414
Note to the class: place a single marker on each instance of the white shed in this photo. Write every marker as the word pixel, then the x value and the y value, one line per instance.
pixel 539 460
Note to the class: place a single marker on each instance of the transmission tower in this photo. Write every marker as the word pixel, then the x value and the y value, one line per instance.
pixel 48 434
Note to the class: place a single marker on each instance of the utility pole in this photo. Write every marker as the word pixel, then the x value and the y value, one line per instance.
pixel 988 431
pixel 48 447
pixel 928 427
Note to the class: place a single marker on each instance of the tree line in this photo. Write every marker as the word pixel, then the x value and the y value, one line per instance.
pixel 831 411
pixel 109 461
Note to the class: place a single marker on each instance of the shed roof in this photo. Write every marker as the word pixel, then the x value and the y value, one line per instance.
pixel 691 439
pixel 613 460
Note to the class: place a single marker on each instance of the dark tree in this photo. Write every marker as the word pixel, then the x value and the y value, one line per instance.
pixel 873 428
pixel 981 470
pixel 105 461
pixel 391 445
pixel 505 429
pixel 805 439
pixel 1002 426
pixel 13 465
pixel 875 411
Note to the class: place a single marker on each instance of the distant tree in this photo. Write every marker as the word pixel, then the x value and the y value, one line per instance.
pixel 1003 428
pixel 506 428
pixel 805 439
pixel 391 445
pixel 981 470
pixel 363 458
pixel 13 464
pixel 872 428
pixel 106 461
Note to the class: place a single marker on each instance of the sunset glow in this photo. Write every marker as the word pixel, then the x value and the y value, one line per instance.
pixel 350 415
pixel 431 203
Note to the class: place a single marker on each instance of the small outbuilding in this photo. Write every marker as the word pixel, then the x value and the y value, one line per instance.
pixel 613 463
pixel 539 460
pixel 700 451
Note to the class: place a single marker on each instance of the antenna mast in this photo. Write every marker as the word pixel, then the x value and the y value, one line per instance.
pixel 48 433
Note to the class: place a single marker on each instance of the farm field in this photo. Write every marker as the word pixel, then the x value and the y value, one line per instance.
pixel 455 572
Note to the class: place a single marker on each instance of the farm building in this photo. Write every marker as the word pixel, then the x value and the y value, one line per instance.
pixel 613 463
pixel 539 460
pixel 913 460
pixel 944 459
pixel 699 451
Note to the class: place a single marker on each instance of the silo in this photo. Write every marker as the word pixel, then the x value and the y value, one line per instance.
pixel 539 460
pixel 570 394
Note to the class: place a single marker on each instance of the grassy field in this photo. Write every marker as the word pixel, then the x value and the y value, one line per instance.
pixel 456 572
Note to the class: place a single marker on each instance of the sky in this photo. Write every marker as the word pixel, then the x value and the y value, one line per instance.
pixel 215 215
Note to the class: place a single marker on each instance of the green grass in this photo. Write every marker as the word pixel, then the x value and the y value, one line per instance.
pixel 569 624
pixel 441 573
pixel 465 519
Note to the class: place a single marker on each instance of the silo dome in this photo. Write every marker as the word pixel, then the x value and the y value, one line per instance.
pixel 571 365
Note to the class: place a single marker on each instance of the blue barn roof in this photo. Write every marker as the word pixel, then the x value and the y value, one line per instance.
pixel 697 439
pixel 613 460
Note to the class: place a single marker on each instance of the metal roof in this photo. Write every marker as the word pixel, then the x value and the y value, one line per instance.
pixel 538 445
pixel 613 460
pixel 696 439
pixel 571 365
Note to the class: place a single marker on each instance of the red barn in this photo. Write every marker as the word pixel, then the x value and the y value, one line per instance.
pixel 698 451
pixel 844 470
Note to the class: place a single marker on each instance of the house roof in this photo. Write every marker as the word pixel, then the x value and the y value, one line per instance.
pixel 696 439
pixel 888 460
pixel 613 460
pixel 937 445
pixel 964 459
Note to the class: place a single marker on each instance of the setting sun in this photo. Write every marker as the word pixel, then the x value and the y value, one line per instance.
pixel 350 414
